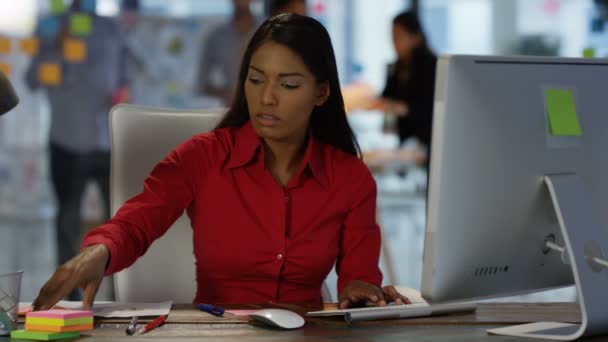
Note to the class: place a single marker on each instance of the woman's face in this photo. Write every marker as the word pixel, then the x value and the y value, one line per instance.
pixel 281 93
pixel 404 41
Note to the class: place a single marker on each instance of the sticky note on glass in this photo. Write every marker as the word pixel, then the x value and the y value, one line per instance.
pixel 30 46
pixel 589 53
pixel 57 7
pixel 5 45
pixel 5 69
pixel 81 24
pixel 88 5
pixel 49 27
pixel 74 50
pixel 561 110
pixel 49 74
pixel 42 336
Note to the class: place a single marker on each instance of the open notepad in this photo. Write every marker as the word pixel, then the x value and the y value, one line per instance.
pixel 114 309
pixel 418 308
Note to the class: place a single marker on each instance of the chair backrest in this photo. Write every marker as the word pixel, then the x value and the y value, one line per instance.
pixel 140 138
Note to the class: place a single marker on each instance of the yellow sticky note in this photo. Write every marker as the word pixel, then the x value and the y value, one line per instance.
pixel 561 110
pixel 74 50
pixel 5 69
pixel 30 46
pixel 5 45
pixel 49 74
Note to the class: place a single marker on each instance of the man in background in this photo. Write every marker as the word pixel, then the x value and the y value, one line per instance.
pixel 80 99
pixel 222 50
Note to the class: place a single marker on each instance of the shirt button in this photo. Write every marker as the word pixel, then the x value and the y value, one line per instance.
pixel 286 198
pixel 279 256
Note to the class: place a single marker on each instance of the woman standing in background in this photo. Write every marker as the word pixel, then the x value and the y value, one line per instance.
pixel 410 84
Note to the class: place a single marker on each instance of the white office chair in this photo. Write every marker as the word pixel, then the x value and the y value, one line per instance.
pixel 140 138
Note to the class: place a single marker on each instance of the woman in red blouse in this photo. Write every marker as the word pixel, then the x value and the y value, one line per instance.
pixel 276 194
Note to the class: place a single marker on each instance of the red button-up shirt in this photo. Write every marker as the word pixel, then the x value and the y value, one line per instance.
pixel 255 241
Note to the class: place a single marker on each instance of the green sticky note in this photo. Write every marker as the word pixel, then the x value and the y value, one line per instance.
pixel 43 336
pixel 589 52
pixel 563 119
pixel 57 7
pixel 81 24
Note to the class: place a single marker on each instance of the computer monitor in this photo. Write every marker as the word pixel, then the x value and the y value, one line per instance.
pixel 518 158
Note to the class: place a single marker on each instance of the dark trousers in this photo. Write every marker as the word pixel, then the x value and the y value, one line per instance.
pixel 70 173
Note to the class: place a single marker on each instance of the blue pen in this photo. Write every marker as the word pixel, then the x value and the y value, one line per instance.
pixel 212 309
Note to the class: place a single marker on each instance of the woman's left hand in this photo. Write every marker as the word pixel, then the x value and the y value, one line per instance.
pixel 360 293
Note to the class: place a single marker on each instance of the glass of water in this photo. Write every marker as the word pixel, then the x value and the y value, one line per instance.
pixel 10 285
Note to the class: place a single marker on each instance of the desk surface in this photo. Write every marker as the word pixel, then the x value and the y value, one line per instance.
pixel 186 324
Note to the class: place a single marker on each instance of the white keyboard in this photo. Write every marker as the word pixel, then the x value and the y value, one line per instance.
pixel 396 311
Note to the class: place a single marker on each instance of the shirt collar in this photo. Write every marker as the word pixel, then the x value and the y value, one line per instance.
pixel 247 143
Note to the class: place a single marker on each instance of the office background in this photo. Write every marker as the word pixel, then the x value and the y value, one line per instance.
pixel 171 33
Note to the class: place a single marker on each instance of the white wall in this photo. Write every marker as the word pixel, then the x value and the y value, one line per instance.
pixel 569 21
pixel 18 17
pixel 373 47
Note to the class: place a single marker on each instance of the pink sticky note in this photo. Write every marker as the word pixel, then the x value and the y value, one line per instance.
pixel 24 310
pixel 241 312
pixel 60 314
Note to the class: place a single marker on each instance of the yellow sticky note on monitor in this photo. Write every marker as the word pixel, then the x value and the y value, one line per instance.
pixel 562 114
pixel 49 74
pixel 74 50
pixel 30 46
pixel 5 45
pixel 5 69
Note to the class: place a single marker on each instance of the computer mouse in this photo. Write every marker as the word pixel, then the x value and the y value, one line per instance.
pixel 280 318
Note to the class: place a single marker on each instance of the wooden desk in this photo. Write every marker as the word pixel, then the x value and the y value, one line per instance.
pixel 186 324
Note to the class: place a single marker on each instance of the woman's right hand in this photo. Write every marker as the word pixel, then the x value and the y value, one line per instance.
pixel 86 271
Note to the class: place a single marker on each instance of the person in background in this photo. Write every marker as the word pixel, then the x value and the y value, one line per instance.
pixel 79 145
pixel 222 51
pixel 139 61
pixel 410 83
pixel 277 194
pixel 275 7
pixel 129 14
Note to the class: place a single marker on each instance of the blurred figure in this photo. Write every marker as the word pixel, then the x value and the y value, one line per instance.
pixel 79 137
pixel 129 14
pixel 410 84
pixel 129 19
pixel 222 50
pixel 275 7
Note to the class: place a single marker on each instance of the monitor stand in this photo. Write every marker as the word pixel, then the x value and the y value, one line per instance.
pixel 585 239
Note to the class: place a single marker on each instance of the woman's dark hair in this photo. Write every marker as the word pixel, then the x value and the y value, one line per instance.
pixel 411 23
pixel 308 39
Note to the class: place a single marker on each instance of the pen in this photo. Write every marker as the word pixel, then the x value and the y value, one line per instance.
pixel 154 324
pixel 212 309
pixel 132 328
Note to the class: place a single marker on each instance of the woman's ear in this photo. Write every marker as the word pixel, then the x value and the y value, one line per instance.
pixel 322 94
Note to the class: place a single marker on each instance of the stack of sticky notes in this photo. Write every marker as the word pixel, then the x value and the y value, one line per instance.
pixel 54 324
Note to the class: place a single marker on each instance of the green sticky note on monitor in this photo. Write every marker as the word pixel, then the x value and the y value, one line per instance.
pixel 589 53
pixel 57 7
pixel 81 24
pixel 561 110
